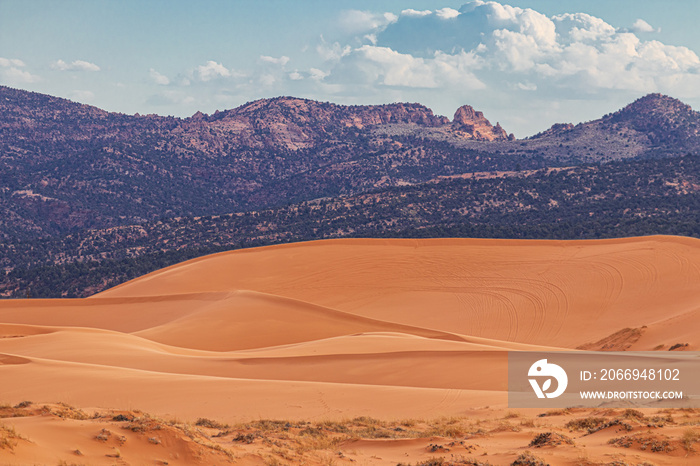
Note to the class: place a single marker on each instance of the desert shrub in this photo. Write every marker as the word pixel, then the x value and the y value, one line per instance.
pixel 690 437
pixel 204 422
pixel 528 459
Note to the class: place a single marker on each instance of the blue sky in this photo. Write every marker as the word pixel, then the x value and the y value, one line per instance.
pixel 525 63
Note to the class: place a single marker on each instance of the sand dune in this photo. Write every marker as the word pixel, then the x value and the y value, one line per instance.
pixel 371 360
pixel 226 399
pixel 344 328
pixel 247 319
pixel 536 292
pixel 120 314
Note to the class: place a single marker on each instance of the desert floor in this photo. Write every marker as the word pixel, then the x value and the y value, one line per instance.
pixel 348 351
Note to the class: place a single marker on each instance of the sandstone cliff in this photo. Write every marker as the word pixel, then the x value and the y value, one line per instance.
pixel 474 125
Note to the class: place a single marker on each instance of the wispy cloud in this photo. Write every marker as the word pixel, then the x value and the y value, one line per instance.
pixel 332 52
pixel 158 78
pixel 82 95
pixel 12 72
pixel 283 60
pixel 169 98
pixel 76 65
pixel 11 62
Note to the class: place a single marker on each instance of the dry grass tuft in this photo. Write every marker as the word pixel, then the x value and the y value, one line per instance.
pixel 64 411
pixel 210 424
pixel 587 423
pixel 633 414
pixel 555 412
pixel 454 460
pixel 9 437
pixel 214 446
pixel 653 443
pixel 528 459
pixel 505 427
pixel 690 437
pixel 528 423
pixel 550 439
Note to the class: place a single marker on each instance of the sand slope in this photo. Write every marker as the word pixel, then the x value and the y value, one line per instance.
pixel 536 292
pixel 344 328
pixel 371 313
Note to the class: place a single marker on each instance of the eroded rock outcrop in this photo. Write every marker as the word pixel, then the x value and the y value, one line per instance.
pixel 474 125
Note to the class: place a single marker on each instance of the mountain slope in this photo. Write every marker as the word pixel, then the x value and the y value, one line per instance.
pixel 654 125
pixel 66 167
pixel 625 198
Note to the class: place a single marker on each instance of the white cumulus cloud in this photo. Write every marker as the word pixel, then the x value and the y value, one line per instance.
pixel 642 26
pixel 490 43
pixel 386 67
pixel 212 70
pixel 447 13
pixel 357 22
pixel 582 27
pixel 392 68
pixel 416 13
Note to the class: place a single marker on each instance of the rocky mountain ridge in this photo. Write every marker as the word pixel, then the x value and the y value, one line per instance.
pixel 292 123
pixel 66 167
